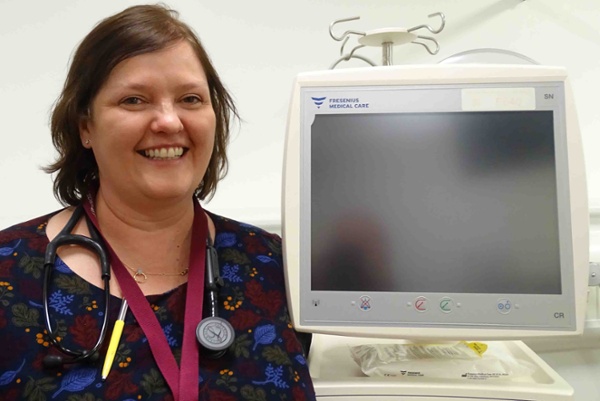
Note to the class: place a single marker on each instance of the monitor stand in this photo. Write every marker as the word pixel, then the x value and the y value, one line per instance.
pixel 337 377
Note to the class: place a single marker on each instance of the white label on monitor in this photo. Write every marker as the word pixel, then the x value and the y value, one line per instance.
pixel 498 99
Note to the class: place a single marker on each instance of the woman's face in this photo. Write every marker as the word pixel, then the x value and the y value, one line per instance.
pixel 152 126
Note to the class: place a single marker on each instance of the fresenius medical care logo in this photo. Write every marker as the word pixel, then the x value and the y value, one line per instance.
pixel 340 102
pixel 318 101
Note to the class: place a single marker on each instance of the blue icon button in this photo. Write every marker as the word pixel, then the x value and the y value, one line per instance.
pixel 504 306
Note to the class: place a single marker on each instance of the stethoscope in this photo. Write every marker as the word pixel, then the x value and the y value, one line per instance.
pixel 214 333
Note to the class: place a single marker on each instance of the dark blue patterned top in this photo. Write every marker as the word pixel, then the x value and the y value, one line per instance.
pixel 266 361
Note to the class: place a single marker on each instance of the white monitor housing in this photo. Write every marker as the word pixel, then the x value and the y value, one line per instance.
pixel 437 201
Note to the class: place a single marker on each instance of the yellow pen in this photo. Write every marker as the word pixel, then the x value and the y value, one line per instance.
pixel 114 340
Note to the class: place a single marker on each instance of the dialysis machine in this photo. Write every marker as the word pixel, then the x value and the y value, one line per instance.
pixel 432 203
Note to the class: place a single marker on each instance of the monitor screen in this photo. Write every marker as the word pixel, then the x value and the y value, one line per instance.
pixel 471 196
pixel 419 207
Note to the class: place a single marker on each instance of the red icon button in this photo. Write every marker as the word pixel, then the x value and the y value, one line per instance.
pixel 421 304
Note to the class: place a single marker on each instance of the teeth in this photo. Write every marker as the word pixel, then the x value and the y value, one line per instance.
pixel 164 153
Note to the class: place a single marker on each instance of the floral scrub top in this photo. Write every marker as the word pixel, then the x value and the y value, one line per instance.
pixel 265 362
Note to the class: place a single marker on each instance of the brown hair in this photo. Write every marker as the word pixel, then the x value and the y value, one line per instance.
pixel 134 31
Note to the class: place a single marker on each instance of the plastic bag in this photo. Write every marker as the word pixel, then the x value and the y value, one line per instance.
pixel 462 360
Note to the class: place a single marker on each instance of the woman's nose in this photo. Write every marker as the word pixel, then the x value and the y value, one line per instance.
pixel 166 120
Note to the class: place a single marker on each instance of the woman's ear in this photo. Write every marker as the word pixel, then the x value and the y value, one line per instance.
pixel 84 132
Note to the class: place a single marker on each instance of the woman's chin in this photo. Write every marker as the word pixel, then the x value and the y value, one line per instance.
pixel 168 193
pixel 160 189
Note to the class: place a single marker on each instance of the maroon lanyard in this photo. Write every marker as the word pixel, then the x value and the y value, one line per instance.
pixel 183 382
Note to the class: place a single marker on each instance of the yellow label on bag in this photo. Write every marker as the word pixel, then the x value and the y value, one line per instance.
pixel 478 347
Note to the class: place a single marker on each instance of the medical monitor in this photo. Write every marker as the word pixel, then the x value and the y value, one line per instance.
pixel 444 201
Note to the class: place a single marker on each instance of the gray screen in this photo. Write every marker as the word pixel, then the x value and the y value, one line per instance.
pixel 455 202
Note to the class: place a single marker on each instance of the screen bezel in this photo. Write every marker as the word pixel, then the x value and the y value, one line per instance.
pixel 530 312
pixel 432 74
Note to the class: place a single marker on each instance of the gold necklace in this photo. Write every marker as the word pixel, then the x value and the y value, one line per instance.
pixel 140 277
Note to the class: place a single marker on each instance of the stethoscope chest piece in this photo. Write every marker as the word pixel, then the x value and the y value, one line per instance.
pixel 215 333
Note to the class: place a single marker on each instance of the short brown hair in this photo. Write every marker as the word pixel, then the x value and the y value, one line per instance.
pixel 134 31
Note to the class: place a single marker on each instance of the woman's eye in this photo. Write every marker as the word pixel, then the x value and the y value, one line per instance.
pixel 192 99
pixel 132 100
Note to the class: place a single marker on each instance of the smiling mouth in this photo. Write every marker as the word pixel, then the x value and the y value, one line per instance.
pixel 170 153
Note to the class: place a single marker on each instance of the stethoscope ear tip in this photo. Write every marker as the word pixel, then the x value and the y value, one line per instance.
pixel 95 356
pixel 57 361
pixel 53 361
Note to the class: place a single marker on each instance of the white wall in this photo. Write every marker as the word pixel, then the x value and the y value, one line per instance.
pixel 258 47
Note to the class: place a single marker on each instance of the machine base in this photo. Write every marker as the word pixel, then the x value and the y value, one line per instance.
pixel 337 377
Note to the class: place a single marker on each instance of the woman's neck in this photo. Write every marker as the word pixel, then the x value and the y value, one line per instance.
pixel 154 238
pixel 143 214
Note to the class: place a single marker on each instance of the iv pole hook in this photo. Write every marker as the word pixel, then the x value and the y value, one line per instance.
pixel 435 42
pixel 428 27
pixel 345 34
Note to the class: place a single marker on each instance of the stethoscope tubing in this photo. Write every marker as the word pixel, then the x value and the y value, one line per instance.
pixel 65 237
pixel 212 284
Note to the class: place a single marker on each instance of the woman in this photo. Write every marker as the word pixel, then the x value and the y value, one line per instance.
pixel 141 128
